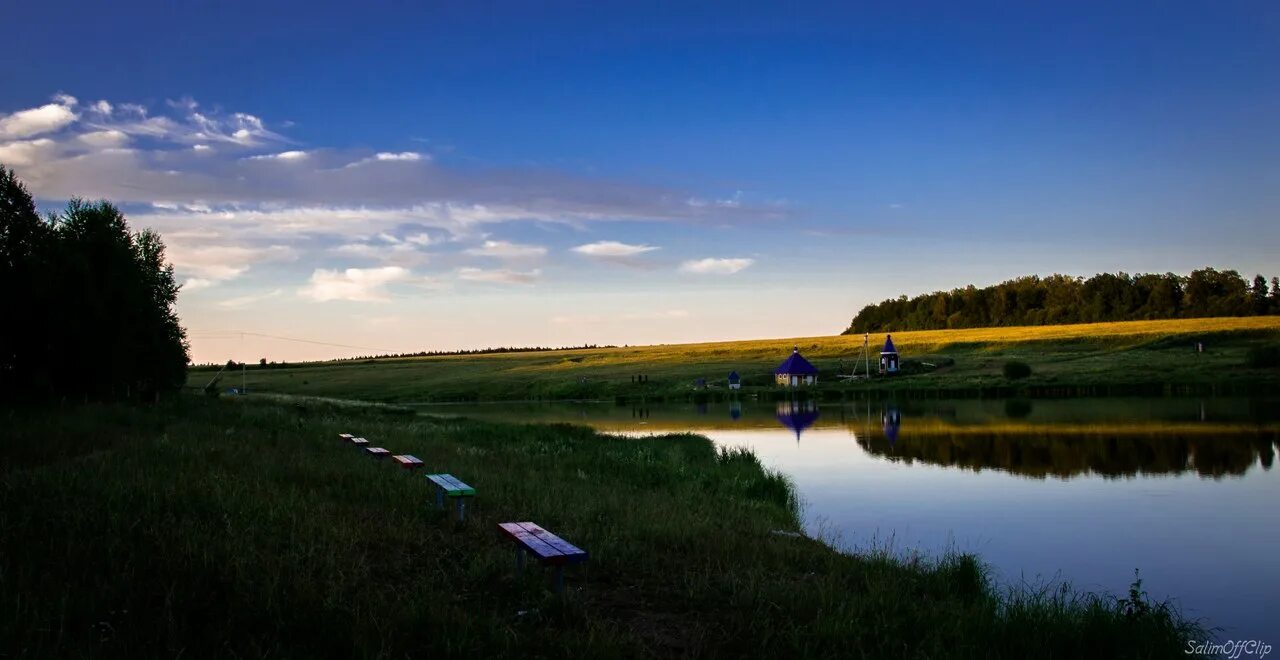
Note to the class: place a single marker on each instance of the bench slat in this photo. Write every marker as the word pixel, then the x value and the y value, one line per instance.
pixel 551 549
pixel 408 460
pixel 451 486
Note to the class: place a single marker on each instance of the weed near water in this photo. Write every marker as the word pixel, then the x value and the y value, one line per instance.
pixel 239 527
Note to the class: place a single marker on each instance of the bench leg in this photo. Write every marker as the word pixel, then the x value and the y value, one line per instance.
pixel 560 580
pixel 462 509
pixel 439 499
pixel 519 562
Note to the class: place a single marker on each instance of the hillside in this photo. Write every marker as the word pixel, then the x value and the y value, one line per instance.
pixel 1136 355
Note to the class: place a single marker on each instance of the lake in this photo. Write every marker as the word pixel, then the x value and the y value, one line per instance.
pixel 1081 490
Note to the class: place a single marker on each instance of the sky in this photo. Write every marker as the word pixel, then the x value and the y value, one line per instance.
pixel 408 176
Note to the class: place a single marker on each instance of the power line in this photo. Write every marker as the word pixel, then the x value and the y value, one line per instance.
pixel 232 334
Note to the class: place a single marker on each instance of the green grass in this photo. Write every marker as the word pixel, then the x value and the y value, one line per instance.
pixel 1101 358
pixel 242 527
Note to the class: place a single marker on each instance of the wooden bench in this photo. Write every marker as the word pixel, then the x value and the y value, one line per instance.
pixel 345 437
pixel 448 485
pixel 377 452
pixel 359 442
pixel 548 548
pixel 408 461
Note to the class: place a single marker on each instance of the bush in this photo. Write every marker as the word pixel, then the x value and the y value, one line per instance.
pixel 1263 356
pixel 1014 369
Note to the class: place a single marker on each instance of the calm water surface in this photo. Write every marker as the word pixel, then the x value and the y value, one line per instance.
pixel 1080 490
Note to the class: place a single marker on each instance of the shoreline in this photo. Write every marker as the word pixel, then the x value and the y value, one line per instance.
pixel 697 552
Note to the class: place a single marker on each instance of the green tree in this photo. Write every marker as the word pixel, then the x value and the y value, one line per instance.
pixel 95 303
pixel 24 249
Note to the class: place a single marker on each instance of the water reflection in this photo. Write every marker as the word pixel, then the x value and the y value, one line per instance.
pixel 1108 454
pixel 797 415
pixel 1083 489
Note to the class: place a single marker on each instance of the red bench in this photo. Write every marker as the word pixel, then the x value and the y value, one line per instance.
pixel 548 548
pixel 408 462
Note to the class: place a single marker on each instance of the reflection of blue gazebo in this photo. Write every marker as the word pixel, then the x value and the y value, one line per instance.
pixel 891 419
pixel 797 415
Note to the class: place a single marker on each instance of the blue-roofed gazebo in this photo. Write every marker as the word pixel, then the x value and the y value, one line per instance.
pixel 795 371
pixel 735 381
pixel 888 356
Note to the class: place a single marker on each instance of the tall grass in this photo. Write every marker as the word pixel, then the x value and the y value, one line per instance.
pixel 239 528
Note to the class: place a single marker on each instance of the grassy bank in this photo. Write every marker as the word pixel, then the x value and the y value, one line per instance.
pixel 1093 359
pixel 241 527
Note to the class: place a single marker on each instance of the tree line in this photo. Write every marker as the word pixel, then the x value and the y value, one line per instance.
pixel 90 304
pixel 1060 299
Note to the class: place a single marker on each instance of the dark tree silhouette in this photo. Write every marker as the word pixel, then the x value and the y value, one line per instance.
pixel 1058 299
pixel 96 304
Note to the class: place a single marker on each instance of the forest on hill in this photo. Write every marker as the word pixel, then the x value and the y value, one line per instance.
pixel 1061 299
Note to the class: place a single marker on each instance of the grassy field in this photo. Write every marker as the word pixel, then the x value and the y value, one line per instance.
pixel 1103 358
pixel 242 527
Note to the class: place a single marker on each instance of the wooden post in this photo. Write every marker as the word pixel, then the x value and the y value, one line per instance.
pixel 519 562
pixel 560 580
pixel 462 509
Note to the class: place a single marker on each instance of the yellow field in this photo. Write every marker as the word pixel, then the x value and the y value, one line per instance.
pixel 1089 355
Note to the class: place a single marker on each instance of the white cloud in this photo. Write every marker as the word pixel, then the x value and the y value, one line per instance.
pixel 102 108
pixel 65 99
pixel 399 254
pixel 608 249
pixel 422 239
pixel 44 119
pixel 390 157
pixel 499 276
pixel 211 264
pixel 201 148
pixel 195 284
pixel 355 284
pixel 26 152
pixel 250 299
pixel 713 266
pixel 506 250
pixel 283 155
pixel 103 139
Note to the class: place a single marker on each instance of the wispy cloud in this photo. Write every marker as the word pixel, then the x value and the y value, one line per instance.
pixel 716 266
pixel 506 250
pixel 283 155
pixel 607 249
pixel 499 276
pixel 390 157
pixel 250 300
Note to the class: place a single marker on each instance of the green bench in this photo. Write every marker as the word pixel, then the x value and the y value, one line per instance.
pixel 448 485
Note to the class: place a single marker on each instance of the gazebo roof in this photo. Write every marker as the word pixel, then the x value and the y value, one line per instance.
pixel 796 364
pixel 888 345
pixel 733 375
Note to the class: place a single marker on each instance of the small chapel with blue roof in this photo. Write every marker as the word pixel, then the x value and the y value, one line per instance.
pixel 795 371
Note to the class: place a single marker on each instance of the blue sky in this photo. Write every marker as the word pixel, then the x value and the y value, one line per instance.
pixel 449 175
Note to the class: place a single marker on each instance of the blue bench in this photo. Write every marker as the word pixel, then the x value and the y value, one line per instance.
pixel 549 549
pixel 448 485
